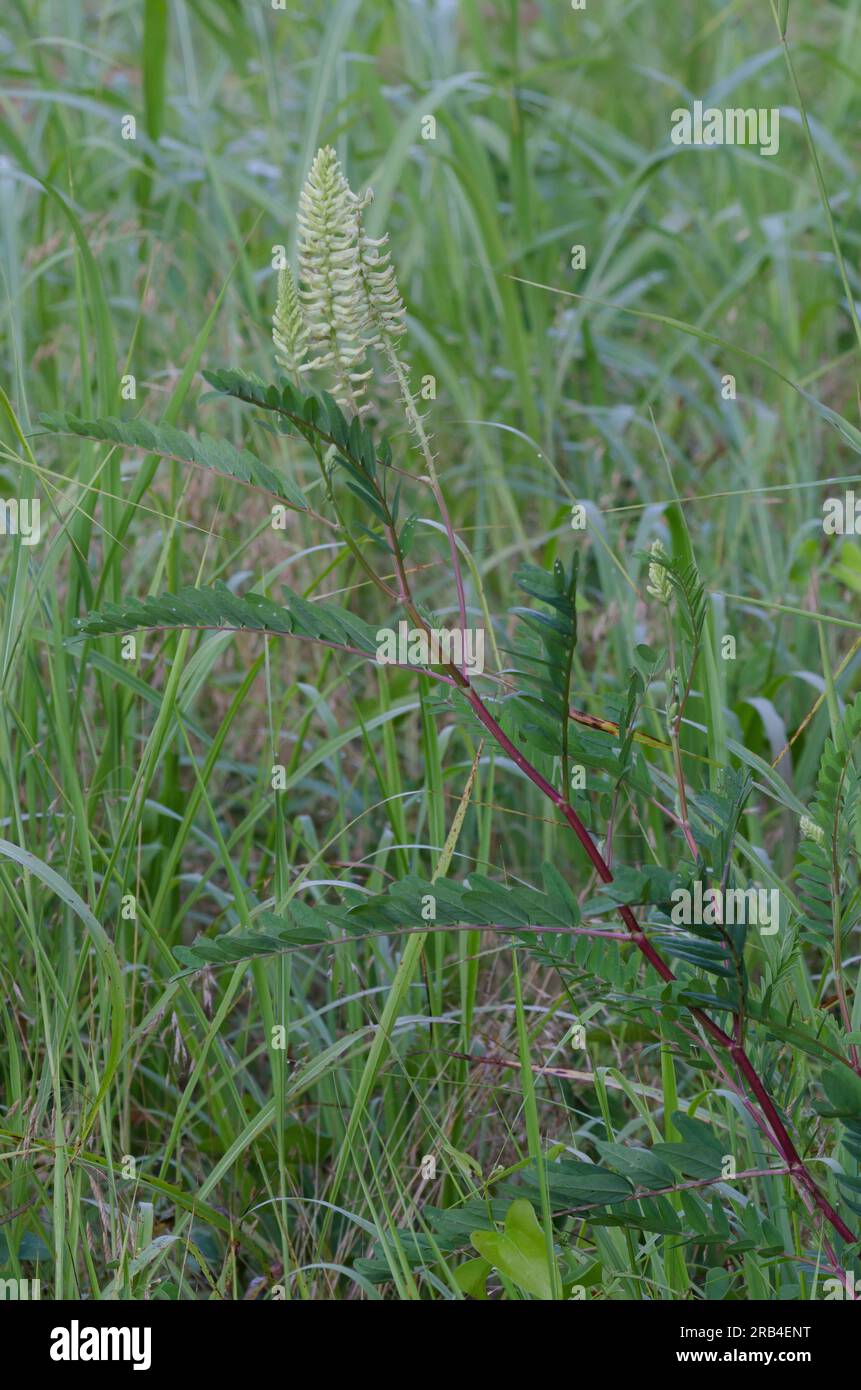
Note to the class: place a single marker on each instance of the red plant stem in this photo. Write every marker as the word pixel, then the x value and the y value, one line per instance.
pixel 414 420
pixel 779 1135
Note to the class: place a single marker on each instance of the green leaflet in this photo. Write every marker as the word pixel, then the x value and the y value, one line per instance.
pixel 641 1166
pixel 318 419
pixel 689 591
pixel 843 1093
pixel 312 414
pixel 576 1184
pixel 216 454
pixel 690 1160
pixel 218 607
pixel 304 926
pixel 483 903
pixel 544 656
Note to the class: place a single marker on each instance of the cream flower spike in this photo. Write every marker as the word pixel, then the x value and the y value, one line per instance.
pixel 811 831
pixel 331 289
pixel 660 585
pixel 384 308
pixel 289 333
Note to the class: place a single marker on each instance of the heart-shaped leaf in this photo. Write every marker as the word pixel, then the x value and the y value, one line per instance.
pixel 519 1251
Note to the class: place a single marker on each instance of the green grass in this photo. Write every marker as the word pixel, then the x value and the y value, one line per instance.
pixel 278 1170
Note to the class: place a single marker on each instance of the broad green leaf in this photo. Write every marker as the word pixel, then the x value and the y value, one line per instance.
pixel 471 1277
pixel 519 1251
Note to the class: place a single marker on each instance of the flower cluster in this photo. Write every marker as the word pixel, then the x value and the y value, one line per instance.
pixel 347 300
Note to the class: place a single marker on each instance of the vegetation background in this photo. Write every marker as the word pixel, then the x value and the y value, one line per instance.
pixel 152 257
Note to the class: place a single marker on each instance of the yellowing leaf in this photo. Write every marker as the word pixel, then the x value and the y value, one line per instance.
pixel 518 1252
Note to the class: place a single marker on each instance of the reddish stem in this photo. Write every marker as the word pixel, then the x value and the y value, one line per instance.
pixel 779 1135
